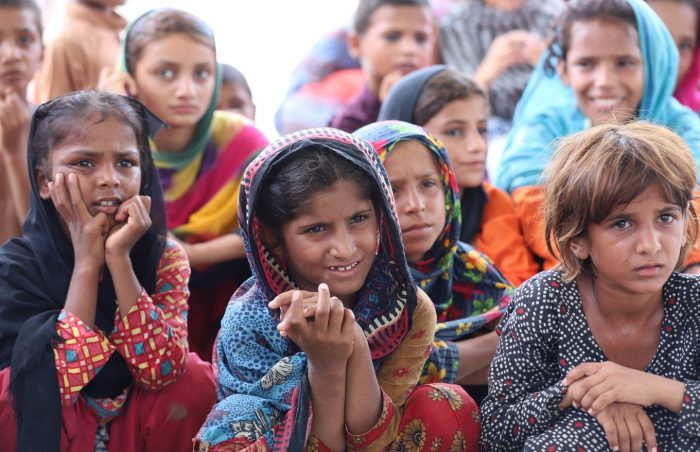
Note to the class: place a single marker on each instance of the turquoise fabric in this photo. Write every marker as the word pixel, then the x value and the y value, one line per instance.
pixel 548 111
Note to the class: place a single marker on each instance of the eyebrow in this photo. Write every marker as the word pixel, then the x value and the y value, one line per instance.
pixel 93 153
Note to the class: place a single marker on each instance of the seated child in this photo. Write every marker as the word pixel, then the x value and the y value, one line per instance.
pixel 93 297
pixel 236 95
pixel 615 61
pixel 322 348
pixel 20 57
pixel 604 351
pixel 469 294
pixel 390 38
pixel 453 108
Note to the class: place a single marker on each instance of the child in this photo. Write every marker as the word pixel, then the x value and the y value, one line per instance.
pixel 455 109
pixel 318 219
pixel 620 63
pixel 603 351
pixel 87 42
pixel 498 44
pixel 469 294
pixel 682 17
pixel 390 38
pixel 93 339
pixel 20 57
pixel 236 95
pixel 171 61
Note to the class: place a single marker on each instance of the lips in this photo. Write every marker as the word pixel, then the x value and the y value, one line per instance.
pixel 649 269
pixel 417 230
pixel 606 103
pixel 406 68
pixel 109 206
pixel 184 109
pixel 344 268
pixel 11 75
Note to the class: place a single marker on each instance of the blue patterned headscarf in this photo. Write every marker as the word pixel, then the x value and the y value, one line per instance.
pixel 548 110
pixel 262 386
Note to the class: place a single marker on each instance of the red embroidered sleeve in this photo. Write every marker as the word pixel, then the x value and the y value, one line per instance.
pixel 152 338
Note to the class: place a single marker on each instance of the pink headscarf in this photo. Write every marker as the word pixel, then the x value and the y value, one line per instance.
pixel 687 91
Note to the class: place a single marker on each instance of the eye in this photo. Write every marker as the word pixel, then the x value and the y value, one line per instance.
pixel 395 189
pixel 621 224
pixel 483 131
pixel 25 40
pixel 667 218
pixel 454 133
pixel 202 74
pixel 315 229
pixel 429 183
pixel 83 164
pixel 127 163
pixel 584 64
pixel 421 38
pixel 392 37
pixel 167 74
pixel 627 63
pixel 360 218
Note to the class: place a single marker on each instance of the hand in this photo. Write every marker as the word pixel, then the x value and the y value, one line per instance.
pixel 509 49
pixel 133 220
pixel 87 233
pixel 14 123
pixel 117 82
pixel 626 427
pixel 327 339
pixel 388 82
pixel 594 386
pixel 283 300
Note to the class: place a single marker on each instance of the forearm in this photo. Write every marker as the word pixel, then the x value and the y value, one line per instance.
pixel 220 249
pixel 126 285
pixel 363 398
pixel 81 300
pixel 17 176
pixel 328 406
pixel 475 354
pixel 669 393
pixel 479 377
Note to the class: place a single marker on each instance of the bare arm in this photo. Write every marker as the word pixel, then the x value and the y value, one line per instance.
pixel 220 249
pixel 363 399
pixel 475 354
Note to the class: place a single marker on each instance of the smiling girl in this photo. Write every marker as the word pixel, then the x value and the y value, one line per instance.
pixel 93 297
pixel 169 58
pixel 322 348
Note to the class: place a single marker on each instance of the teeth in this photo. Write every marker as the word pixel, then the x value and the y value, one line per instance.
pixel 344 269
pixel 108 203
pixel 606 103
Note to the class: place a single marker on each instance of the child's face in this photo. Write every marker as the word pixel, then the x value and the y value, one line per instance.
pixel 505 5
pixel 20 48
pixel 333 241
pixel 419 194
pixel 604 68
pixel 635 249
pixel 462 127
pixel 398 39
pixel 235 98
pixel 175 78
pixel 682 21
pixel 105 158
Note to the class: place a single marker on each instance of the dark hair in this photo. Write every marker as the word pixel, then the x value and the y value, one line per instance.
pixel 26 4
pixel 285 193
pixel 232 75
pixel 581 11
pixel 160 23
pixel 443 88
pixel 366 8
pixel 64 116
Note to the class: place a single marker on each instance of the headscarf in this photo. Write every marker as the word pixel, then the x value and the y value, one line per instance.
pixel 548 109
pixel 400 105
pixel 35 274
pixel 201 182
pixel 687 91
pixel 262 382
pixel 467 290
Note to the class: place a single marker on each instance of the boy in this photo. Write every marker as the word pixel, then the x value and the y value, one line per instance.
pixel 391 38
pixel 87 42
pixel 21 51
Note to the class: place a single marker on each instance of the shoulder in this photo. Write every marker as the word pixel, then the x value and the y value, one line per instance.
pixel 424 316
pixel 173 253
pixel 545 290
pixel 684 288
pixel 497 198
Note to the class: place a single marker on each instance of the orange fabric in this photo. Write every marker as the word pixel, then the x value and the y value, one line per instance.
pixel 529 206
pixel 501 237
pixel 694 255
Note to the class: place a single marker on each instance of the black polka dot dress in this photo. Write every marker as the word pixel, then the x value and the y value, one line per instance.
pixel 544 334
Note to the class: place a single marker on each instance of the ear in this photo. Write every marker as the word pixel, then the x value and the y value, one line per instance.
pixel 579 246
pixel 272 241
pixel 354 41
pixel 43 184
pixel 563 74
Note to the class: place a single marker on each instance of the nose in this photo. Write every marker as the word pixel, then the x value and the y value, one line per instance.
pixel 9 52
pixel 107 177
pixel 606 75
pixel 343 244
pixel 185 87
pixel 410 45
pixel 648 240
pixel 414 202
pixel 476 142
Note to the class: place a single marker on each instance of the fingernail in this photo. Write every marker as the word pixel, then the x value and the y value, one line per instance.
pixel 323 286
pixel 653 449
pixel 590 411
pixel 565 382
pixel 576 405
pixel 616 448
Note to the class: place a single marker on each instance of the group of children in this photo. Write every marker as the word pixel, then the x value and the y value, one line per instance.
pixel 180 282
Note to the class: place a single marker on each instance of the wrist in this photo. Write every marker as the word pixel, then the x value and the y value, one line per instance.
pixel 327 370
pixel 116 257
pixel 86 269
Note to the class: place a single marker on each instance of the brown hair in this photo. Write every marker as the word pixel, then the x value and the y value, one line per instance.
pixel 598 169
pixel 160 23
pixel 26 4
pixel 445 87
pixel 366 8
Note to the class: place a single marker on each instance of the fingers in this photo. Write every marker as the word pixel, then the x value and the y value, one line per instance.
pixel 610 429
pixel 348 322
pixel 323 308
pixel 337 315
pixel 648 431
pixel 580 371
pixel 294 317
pixel 635 434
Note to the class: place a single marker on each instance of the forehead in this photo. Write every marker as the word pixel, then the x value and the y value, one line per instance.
pixel 16 20
pixel 111 135
pixel 603 37
pixel 679 17
pixel 337 201
pixel 400 16
pixel 410 157
pixel 179 48
pixel 472 109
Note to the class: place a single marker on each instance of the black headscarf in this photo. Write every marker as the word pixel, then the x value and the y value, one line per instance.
pixel 400 105
pixel 35 273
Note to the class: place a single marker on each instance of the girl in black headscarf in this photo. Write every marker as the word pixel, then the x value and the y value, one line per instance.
pixel 93 298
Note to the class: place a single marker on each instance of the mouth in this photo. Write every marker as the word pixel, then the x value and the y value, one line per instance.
pixel 606 103
pixel 417 229
pixel 109 206
pixel 344 268
pixel 406 68
pixel 184 109
pixel 12 75
pixel 649 269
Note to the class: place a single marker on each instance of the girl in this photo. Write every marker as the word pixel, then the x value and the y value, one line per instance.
pixel 468 292
pixel 604 350
pixel 615 61
pixel 93 340
pixel 682 17
pixel 170 62
pixel 454 109
pixel 318 219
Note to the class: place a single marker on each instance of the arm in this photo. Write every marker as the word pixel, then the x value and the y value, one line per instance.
pixel 363 398
pixel 220 249
pixel 475 354
pixel 528 338
pixel 152 334
pixel 14 132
